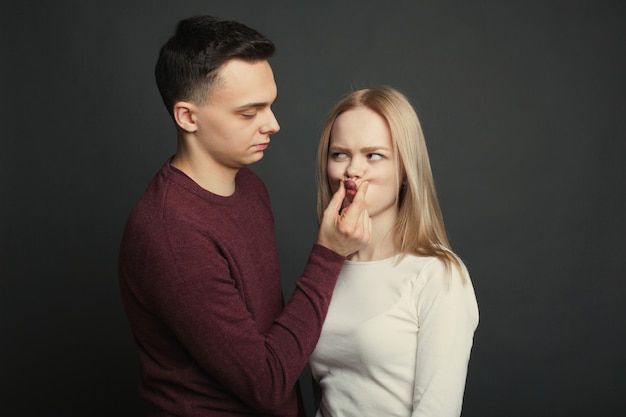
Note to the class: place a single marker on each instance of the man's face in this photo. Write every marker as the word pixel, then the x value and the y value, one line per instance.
pixel 236 121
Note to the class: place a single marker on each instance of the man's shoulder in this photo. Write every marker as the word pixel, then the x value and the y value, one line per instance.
pixel 247 176
pixel 249 182
pixel 172 198
pixel 162 195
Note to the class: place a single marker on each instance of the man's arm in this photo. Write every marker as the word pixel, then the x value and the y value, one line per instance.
pixel 201 304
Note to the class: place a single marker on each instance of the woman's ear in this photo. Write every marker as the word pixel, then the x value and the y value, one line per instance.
pixel 184 115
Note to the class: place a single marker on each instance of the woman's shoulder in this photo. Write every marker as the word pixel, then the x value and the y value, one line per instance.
pixel 436 271
pixel 442 283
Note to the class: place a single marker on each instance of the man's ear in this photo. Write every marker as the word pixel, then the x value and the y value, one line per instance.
pixel 185 117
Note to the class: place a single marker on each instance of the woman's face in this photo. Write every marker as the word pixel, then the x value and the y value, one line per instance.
pixel 361 150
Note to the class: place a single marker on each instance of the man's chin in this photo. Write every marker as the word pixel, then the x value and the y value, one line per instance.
pixel 256 157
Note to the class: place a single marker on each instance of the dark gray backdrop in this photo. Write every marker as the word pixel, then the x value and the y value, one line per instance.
pixel 523 107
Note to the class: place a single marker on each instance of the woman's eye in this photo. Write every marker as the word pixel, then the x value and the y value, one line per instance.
pixel 339 155
pixel 374 156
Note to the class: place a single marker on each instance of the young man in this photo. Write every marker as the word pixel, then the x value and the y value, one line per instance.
pixel 199 271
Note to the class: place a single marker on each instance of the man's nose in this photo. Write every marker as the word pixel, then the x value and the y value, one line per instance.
pixel 271 125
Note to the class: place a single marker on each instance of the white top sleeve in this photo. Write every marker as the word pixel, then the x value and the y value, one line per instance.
pixel 447 317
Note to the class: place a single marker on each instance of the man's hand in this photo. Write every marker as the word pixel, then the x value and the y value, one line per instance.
pixel 346 229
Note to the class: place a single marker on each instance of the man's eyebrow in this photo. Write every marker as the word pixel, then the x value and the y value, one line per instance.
pixel 247 106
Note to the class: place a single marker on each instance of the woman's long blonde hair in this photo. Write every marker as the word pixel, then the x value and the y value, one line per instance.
pixel 419 227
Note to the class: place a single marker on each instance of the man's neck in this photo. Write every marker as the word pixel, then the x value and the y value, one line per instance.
pixel 206 173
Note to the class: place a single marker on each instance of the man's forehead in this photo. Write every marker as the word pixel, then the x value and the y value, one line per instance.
pixel 239 70
pixel 244 84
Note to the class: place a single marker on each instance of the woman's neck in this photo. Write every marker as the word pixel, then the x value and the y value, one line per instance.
pixel 382 244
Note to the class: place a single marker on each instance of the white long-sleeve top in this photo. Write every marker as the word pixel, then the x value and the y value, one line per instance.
pixel 396 340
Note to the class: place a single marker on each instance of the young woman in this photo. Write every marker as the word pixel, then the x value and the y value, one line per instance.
pixel 400 327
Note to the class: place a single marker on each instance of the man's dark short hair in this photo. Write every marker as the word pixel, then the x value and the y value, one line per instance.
pixel 189 61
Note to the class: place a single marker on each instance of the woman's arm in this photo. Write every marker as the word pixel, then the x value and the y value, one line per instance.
pixel 448 316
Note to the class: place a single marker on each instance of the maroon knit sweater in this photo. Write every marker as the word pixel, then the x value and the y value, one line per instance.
pixel 200 282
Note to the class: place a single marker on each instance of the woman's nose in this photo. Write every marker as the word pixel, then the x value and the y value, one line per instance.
pixel 355 169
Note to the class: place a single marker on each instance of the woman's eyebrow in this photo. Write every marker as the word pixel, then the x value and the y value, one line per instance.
pixel 367 149
pixel 372 149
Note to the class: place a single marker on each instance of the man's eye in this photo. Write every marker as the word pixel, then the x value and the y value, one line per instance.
pixel 248 115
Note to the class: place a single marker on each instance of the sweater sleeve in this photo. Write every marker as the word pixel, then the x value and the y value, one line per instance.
pixel 191 289
pixel 448 316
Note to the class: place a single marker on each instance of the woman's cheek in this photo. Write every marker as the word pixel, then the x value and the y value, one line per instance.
pixel 333 184
pixel 334 180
